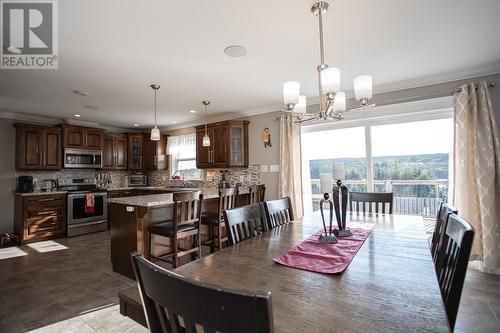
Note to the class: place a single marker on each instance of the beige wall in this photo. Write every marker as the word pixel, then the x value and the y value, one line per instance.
pixel 7 174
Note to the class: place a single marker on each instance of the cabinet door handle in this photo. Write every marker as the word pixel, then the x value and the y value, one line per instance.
pixel 46 213
pixel 45 200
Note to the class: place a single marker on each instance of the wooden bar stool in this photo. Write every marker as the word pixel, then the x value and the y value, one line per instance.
pixel 185 224
pixel 257 193
pixel 215 221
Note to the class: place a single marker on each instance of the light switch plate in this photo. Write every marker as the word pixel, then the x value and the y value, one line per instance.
pixel 130 209
pixel 274 168
pixel 263 168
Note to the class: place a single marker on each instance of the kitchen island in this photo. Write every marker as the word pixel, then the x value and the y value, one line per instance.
pixel 130 218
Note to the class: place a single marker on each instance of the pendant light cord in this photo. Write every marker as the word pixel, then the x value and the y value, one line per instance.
pixel 206 119
pixel 155 106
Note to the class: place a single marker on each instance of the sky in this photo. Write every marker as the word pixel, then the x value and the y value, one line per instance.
pixel 422 137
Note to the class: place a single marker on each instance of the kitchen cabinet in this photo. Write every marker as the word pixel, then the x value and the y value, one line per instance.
pixel 135 151
pixel 155 153
pixel 82 137
pixel 37 147
pixel 115 152
pixel 228 145
pixel 39 217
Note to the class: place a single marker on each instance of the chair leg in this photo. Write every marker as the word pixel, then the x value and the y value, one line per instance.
pixel 212 237
pixel 149 247
pixel 219 235
pixel 175 263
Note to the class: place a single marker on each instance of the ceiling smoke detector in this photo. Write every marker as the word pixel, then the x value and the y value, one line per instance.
pixel 235 51
pixel 91 107
pixel 80 92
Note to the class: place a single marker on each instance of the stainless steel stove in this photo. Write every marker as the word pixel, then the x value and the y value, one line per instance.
pixel 79 221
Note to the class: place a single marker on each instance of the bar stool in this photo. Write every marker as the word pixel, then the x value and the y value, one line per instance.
pixel 257 193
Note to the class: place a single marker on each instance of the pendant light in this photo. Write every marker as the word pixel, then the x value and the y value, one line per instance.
pixel 206 138
pixel 155 132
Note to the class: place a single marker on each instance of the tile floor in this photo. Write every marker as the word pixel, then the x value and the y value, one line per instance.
pixel 75 290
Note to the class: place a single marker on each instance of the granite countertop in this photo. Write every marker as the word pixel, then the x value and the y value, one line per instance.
pixel 39 193
pixel 153 200
pixel 152 188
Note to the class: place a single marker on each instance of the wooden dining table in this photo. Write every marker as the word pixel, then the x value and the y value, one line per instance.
pixel 390 285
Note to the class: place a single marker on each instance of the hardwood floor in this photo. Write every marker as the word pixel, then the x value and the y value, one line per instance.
pixel 76 290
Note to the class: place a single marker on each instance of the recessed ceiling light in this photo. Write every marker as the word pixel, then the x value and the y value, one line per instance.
pixel 80 92
pixel 235 51
pixel 136 125
pixel 76 116
pixel 192 111
pixel 91 107
pixel 174 122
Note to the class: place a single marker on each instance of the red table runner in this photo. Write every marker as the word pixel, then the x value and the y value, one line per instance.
pixel 311 255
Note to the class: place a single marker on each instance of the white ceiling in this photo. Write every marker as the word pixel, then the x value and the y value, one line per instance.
pixel 115 49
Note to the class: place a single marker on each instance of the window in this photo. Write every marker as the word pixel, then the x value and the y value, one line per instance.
pixel 407 153
pixel 182 151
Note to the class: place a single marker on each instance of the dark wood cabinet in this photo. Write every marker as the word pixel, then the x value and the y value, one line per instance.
pixel 114 152
pixel 37 147
pixel 82 137
pixel 135 151
pixel 39 217
pixel 155 153
pixel 228 145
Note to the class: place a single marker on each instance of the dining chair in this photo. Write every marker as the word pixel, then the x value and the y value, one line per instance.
pixel 245 222
pixel 185 225
pixel 278 212
pixel 452 263
pixel 174 303
pixel 441 220
pixel 257 193
pixel 215 221
pixel 364 199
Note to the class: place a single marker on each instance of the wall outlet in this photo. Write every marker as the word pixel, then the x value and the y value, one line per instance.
pixel 163 178
pixel 210 178
pixel 274 168
pixel 263 168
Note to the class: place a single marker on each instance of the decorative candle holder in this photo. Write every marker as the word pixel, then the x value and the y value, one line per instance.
pixel 340 198
pixel 327 236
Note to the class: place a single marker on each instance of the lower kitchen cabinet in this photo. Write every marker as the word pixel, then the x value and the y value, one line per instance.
pixel 39 217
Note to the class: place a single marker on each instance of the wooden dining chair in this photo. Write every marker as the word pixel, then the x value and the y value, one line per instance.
pixel 245 222
pixel 257 193
pixel 185 225
pixel 174 304
pixel 215 221
pixel 441 221
pixel 278 212
pixel 452 263
pixel 369 199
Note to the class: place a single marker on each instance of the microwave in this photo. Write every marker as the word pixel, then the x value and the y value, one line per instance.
pixel 82 158
pixel 137 180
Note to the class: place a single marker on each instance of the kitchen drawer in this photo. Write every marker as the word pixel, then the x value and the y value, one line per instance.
pixel 40 228
pixel 36 212
pixel 52 200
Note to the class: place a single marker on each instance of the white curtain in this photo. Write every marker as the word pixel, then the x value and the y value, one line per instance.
pixel 476 191
pixel 182 146
pixel 290 184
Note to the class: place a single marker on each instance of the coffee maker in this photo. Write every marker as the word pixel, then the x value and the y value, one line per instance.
pixel 25 184
pixel 223 183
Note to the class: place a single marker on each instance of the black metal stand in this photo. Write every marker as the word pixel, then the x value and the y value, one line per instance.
pixel 340 198
pixel 328 236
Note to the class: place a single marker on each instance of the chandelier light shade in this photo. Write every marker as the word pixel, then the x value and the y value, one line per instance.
pixel 363 87
pixel 339 105
pixel 332 102
pixel 330 80
pixel 291 92
pixel 155 132
pixel 301 106
pixel 206 138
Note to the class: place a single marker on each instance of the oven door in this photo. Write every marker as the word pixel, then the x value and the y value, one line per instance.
pixel 82 158
pixel 76 208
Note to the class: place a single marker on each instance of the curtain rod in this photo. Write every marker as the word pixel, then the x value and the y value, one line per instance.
pixel 490 84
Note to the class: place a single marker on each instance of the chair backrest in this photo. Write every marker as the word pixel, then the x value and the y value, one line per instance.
pixel 227 199
pixel 453 261
pixel 244 222
pixel 440 227
pixel 170 299
pixel 362 199
pixel 257 193
pixel 187 207
pixel 278 212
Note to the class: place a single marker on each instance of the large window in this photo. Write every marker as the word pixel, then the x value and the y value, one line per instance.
pixel 182 151
pixel 409 156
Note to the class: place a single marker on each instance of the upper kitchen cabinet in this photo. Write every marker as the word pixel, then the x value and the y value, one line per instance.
pixel 135 151
pixel 155 153
pixel 37 147
pixel 228 145
pixel 82 137
pixel 115 152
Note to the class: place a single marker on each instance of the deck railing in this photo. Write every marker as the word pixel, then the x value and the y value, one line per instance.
pixel 411 197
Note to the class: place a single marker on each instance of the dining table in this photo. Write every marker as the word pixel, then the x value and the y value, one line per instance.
pixel 389 286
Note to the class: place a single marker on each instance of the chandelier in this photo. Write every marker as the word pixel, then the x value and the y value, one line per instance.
pixel 332 102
